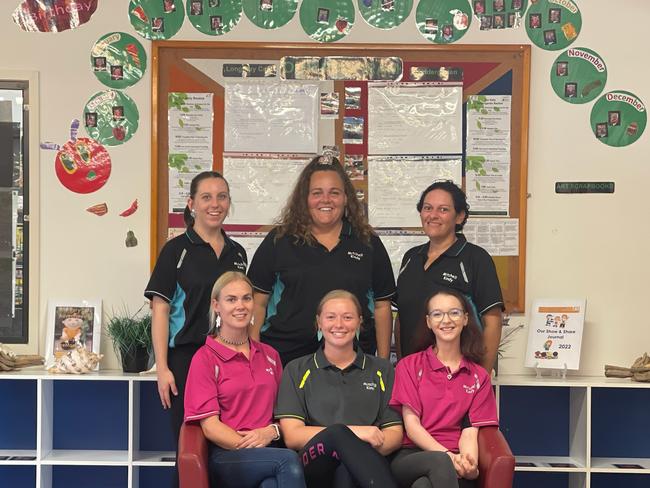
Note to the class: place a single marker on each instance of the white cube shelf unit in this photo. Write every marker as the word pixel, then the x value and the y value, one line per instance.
pixel 105 428
pixel 578 432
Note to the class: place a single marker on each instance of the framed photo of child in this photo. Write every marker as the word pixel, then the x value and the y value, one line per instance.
pixel 71 325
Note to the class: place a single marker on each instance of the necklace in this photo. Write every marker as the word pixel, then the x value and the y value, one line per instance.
pixel 232 343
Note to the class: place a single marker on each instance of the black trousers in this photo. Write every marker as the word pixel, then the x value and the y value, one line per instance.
pixel 178 361
pixel 336 458
pixel 415 468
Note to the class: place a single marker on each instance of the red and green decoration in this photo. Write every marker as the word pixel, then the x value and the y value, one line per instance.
pixel 553 24
pixel 618 118
pixel 385 14
pixel 443 21
pixel 327 20
pixel 82 165
pixel 578 75
pixel 214 17
pixel 118 60
pixel 270 14
pixel 111 117
pixel 156 19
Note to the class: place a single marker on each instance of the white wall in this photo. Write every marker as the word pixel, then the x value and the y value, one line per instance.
pixel 577 244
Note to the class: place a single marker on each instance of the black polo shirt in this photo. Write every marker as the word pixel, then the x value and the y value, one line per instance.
pixel 320 394
pixel 296 276
pixel 185 272
pixel 464 267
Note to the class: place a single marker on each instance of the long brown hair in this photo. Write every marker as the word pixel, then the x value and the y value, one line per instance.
pixel 471 339
pixel 295 219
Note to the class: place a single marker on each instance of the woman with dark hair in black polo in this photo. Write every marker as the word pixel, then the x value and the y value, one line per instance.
pixel 180 286
pixel 447 261
pixel 333 404
pixel 323 242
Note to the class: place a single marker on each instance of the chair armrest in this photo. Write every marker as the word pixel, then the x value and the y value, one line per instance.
pixel 193 457
pixel 496 463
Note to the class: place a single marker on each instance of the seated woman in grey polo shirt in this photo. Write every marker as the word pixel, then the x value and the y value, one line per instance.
pixel 333 404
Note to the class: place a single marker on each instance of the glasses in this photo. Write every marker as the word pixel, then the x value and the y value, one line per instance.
pixel 454 314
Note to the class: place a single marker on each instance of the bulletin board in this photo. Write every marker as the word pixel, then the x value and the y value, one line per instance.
pixel 487 70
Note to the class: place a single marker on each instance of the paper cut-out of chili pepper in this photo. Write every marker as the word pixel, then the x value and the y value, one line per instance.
pixel 131 210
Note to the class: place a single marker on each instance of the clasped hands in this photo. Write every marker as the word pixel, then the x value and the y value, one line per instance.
pixel 465 465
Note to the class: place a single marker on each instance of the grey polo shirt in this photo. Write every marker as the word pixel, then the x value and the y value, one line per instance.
pixel 320 394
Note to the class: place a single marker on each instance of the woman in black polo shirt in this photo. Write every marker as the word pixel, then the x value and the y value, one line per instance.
pixel 323 242
pixel 447 261
pixel 181 282
pixel 333 404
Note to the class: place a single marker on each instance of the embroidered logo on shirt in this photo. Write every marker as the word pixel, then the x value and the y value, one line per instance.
pixel 473 388
pixel 270 371
pixel 241 266
pixel 355 255
pixel 449 277
pixel 370 386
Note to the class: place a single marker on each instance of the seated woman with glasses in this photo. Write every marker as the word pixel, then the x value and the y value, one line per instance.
pixel 447 261
pixel 333 404
pixel 445 396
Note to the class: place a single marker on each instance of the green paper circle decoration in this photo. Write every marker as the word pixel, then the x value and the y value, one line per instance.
pixel 327 20
pixel 443 21
pixel 118 60
pixel 578 75
pixel 156 19
pixel 553 24
pixel 499 14
pixel 214 17
pixel 618 118
pixel 270 14
pixel 111 117
pixel 385 14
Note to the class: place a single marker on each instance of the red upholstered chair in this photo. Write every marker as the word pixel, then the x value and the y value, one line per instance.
pixel 496 462
pixel 192 457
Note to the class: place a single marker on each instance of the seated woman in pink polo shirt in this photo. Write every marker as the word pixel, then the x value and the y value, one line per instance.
pixel 333 404
pixel 231 389
pixel 445 396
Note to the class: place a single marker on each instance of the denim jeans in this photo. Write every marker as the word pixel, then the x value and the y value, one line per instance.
pixel 264 467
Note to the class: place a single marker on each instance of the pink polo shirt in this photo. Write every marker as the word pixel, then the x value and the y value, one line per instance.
pixel 240 391
pixel 441 399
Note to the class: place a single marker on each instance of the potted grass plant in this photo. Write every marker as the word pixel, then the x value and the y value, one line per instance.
pixel 131 336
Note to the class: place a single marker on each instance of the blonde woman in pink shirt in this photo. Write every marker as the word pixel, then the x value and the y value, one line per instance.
pixel 231 389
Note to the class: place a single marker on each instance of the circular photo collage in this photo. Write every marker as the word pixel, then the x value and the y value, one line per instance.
pixel 214 17
pixel 618 118
pixel 385 14
pixel 553 24
pixel 270 14
pixel 156 19
pixel 443 21
pixel 327 20
pixel 118 60
pixel 111 117
pixel 578 75
pixel 499 14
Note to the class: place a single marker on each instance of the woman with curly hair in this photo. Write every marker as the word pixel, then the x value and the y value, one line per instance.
pixel 322 242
